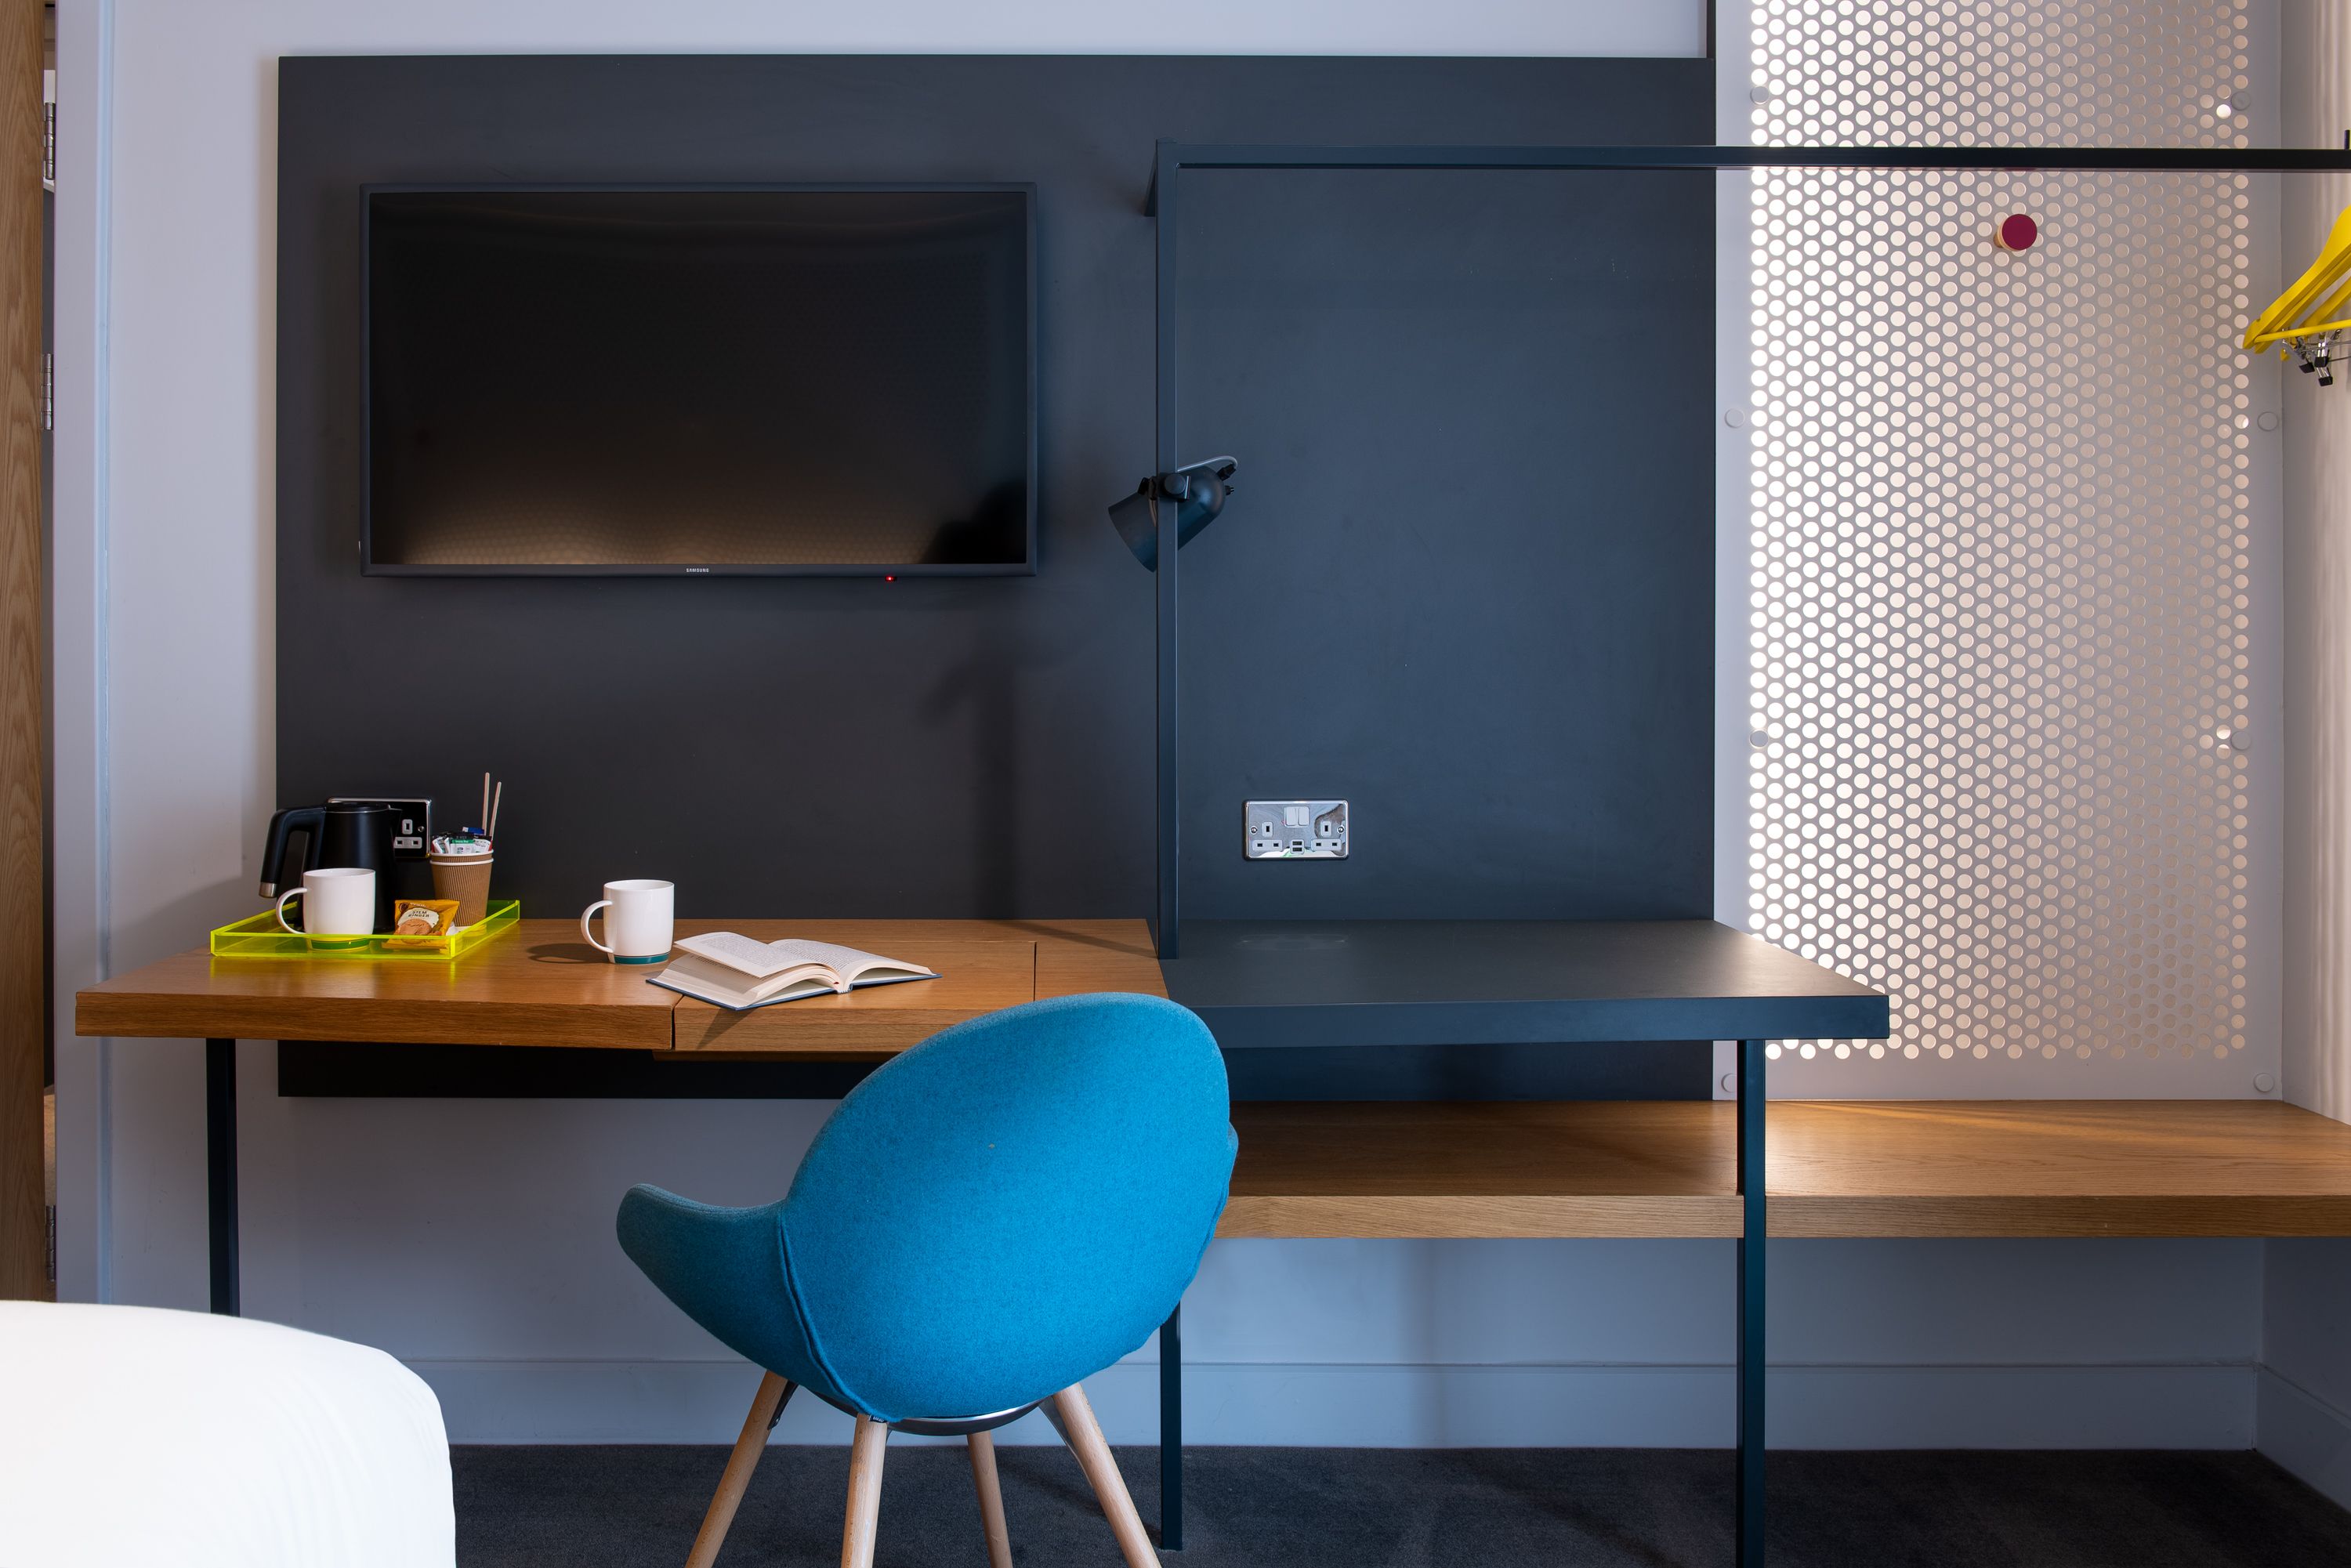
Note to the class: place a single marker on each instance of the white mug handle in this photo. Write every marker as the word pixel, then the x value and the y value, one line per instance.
pixel 585 916
pixel 289 893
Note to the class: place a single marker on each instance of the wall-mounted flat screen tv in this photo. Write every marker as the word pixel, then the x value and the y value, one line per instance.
pixel 700 379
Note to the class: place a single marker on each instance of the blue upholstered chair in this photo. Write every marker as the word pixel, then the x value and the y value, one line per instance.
pixel 1007 1208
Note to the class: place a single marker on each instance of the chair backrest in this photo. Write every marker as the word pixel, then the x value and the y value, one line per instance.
pixel 1009 1207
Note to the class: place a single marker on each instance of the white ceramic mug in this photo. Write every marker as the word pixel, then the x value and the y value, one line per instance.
pixel 338 902
pixel 640 912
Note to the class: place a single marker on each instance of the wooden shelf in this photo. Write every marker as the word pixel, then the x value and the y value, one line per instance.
pixel 2070 1168
pixel 1598 1168
pixel 2058 1167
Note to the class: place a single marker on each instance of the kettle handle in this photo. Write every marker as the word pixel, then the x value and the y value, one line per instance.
pixel 308 821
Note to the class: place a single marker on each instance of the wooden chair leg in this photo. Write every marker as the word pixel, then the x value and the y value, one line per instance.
pixel 765 1405
pixel 866 1451
pixel 1084 1437
pixel 991 1499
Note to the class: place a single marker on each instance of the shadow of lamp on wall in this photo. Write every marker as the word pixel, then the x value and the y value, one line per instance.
pixel 1198 490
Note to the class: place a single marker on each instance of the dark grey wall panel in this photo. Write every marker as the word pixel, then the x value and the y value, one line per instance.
pixel 1467 581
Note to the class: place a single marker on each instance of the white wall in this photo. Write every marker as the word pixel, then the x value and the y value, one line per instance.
pixel 2317 739
pixel 2305 1398
pixel 473 1238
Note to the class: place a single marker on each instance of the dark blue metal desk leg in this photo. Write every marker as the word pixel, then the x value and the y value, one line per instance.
pixel 1171 1431
pixel 220 1169
pixel 1748 1489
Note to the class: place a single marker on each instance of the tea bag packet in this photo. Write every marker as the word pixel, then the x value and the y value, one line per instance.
pixel 422 923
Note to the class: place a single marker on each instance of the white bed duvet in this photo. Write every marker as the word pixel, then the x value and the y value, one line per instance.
pixel 130 1435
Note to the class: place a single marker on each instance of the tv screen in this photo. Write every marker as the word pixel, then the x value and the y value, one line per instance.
pixel 700 379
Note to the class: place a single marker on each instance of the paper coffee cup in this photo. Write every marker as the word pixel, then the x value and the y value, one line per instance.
pixel 466 879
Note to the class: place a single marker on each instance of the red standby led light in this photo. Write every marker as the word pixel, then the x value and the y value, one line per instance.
pixel 2017 232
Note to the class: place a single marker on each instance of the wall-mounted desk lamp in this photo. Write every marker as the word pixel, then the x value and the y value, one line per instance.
pixel 1198 490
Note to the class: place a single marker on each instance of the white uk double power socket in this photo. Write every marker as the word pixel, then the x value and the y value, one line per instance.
pixel 1294 829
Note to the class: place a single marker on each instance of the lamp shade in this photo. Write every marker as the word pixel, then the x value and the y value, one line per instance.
pixel 1198 494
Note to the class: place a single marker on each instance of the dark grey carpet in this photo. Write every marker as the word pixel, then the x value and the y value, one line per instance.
pixel 1379 1508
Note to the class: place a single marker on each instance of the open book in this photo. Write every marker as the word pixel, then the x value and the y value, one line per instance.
pixel 735 972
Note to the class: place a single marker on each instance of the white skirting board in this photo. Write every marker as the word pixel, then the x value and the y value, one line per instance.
pixel 2197 1406
pixel 2307 1434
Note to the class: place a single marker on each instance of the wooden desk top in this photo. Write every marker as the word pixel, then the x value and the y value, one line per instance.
pixel 541 985
pixel 1444 982
pixel 537 985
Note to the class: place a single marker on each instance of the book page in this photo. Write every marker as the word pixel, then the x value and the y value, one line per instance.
pixel 794 991
pixel 757 959
pixel 846 962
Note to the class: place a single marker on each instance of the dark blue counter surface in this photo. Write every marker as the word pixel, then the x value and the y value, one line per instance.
pixel 1470 982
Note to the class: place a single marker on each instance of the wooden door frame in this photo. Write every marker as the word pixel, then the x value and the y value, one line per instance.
pixel 24 719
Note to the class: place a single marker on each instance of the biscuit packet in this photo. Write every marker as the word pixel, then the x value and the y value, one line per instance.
pixel 422 924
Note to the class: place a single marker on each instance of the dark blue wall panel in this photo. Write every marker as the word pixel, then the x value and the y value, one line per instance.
pixel 1467 581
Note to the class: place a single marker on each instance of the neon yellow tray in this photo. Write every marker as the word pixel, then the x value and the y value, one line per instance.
pixel 260 937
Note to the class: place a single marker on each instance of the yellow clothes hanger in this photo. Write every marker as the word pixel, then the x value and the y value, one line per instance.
pixel 2314 306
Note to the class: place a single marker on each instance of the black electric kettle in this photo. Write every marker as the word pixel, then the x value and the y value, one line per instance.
pixel 340 833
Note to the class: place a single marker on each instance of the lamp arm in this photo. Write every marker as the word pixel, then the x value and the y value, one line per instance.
pixel 1175 485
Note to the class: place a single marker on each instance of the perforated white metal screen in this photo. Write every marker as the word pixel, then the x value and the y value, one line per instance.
pixel 2001 531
